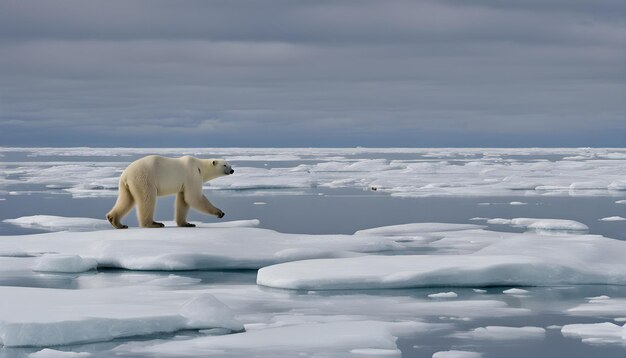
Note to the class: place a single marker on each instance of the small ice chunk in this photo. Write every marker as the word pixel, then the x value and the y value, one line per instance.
pixel 64 263
pixel 457 354
pixel 598 298
pixel 376 352
pixel 500 333
pixel 597 333
pixel 613 218
pixel 620 202
pixel 478 290
pixel 499 221
pixel 554 327
pixel 444 295
pixel 517 203
pixel 208 312
pixel 57 223
pixel 259 203
pixel 515 291
pixel 52 353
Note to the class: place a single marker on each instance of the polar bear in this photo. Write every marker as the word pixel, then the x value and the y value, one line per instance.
pixel 152 176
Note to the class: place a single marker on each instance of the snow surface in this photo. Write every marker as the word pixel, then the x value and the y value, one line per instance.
pixel 542 224
pixel 360 336
pixel 596 333
pixel 45 317
pixel 433 172
pixel 469 258
pixel 209 246
pixel 56 223
pixel 64 263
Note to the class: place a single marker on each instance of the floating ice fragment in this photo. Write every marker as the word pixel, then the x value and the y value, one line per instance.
pixel 444 295
pixel 517 203
pixel 613 218
pixel 598 298
pixel 331 339
pixel 39 317
pixel 64 263
pixel 620 202
pixel 52 353
pixel 500 333
pixel 515 291
pixel 596 333
pixel 457 354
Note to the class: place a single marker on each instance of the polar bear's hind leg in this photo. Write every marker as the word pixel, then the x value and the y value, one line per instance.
pixel 123 205
pixel 146 204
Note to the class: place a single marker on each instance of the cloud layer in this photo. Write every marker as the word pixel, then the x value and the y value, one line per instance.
pixel 324 73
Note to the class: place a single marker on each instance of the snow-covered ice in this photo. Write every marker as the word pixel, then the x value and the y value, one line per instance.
pixel 596 333
pixel 457 354
pixel 64 263
pixel 450 294
pixel 45 317
pixel 488 258
pixel 53 353
pixel 542 224
pixel 613 218
pixel 475 172
pixel 503 333
pixel 338 338
pixel 55 223
pixel 209 246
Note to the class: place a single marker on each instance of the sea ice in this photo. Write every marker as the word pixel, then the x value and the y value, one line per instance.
pixel 542 224
pixel 515 291
pixel 457 354
pixel 503 333
pixel 440 172
pixel 64 263
pixel 481 258
pixel 444 295
pixel 613 218
pixel 209 246
pixel 52 353
pixel 56 223
pixel 44 317
pixel 596 333
pixel 334 338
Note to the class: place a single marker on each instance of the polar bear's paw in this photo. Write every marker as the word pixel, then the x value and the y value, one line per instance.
pixel 187 225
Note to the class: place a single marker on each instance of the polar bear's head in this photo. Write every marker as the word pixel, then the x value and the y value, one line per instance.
pixel 222 167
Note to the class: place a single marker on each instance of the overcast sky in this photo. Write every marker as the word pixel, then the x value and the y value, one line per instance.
pixel 313 73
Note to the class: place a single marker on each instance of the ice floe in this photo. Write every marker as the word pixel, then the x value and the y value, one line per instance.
pixel 53 353
pixel 333 338
pixel 503 333
pixel 456 354
pixel 542 224
pixel 421 172
pixel 44 317
pixel 209 246
pixel 56 223
pixel 613 218
pixel 64 263
pixel 596 333
pixel 478 258
pixel 444 295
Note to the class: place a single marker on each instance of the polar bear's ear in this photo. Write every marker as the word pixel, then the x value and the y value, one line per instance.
pixel 215 162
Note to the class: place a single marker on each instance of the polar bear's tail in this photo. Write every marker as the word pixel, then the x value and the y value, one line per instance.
pixel 123 205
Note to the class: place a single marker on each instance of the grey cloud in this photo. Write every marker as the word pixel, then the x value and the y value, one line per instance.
pixel 313 73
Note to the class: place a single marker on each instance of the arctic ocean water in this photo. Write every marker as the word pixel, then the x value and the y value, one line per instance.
pixel 334 209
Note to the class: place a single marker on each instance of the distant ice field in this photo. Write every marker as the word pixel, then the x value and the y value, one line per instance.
pixel 385 252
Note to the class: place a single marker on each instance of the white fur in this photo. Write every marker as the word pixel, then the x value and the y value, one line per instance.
pixel 153 176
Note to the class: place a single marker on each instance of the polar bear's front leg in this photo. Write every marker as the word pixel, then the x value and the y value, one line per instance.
pixel 181 210
pixel 202 204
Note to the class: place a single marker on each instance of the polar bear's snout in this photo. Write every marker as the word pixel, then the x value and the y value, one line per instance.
pixel 231 171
